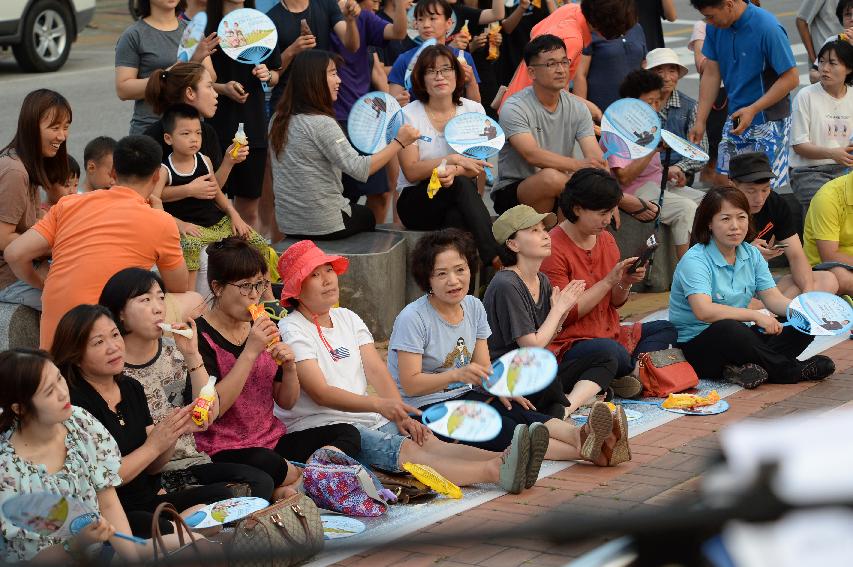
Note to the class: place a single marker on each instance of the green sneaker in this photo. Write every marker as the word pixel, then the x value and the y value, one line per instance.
pixel 539 439
pixel 513 473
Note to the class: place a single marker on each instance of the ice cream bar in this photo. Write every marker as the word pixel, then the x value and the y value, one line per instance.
pixel 303 27
pixel 188 333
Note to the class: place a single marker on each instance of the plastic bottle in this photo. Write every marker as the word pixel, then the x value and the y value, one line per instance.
pixel 205 400
pixel 239 140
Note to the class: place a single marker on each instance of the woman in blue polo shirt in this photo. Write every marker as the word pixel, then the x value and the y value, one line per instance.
pixel 711 288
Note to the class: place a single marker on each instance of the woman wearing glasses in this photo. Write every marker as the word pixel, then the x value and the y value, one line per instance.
pixel 255 376
pixel 438 82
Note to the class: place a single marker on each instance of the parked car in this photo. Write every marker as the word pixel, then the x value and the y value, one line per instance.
pixel 40 32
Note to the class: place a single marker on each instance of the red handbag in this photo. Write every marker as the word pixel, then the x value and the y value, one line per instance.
pixel 666 372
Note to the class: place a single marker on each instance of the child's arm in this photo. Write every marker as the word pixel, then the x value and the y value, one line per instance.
pixel 238 225
pixel 228 163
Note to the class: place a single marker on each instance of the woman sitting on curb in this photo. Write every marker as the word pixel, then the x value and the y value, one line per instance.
pixel 438 352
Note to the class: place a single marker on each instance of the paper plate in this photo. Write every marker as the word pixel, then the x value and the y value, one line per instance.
pixel 407 77
pixel 225 511
pixel 413 30
pixel 632 415
pixel 463 420
pixel 247 36
pixel 633 129
pixel 193 34
pixel 336 527
pixel 719 407
pixel 521 372
pixel 475 135
pixel 820 313
pixel 683 147
pixel 373 122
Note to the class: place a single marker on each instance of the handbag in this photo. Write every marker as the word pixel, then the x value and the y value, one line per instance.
pixel 405 487
pixel 197 552
pixel 286 533
pixel 664 372
pixel 335 481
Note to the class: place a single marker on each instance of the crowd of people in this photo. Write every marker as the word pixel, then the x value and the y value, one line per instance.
pixel 175 222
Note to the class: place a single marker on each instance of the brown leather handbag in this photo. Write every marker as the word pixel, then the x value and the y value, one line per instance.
pixel 193 551
pixel 287 533
pixel 664 372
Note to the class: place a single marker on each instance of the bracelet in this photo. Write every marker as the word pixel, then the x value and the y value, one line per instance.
pixel 194 368
pixel 399 142
pixel 623 288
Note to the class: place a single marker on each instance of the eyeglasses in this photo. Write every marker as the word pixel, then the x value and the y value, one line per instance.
pixel 441 72
pixel 247 287
pixel 551 65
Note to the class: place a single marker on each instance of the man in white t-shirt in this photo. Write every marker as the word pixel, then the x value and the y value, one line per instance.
pixel 542 123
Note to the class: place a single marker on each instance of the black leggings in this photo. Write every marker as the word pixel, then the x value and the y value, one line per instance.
pixel 509 419
pixel 361 220
pixel 457 206
pixel 140 519
pixel 260 483
pixel 732 342
pixel 296 446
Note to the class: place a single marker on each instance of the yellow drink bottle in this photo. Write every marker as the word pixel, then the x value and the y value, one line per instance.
pixel 239 140
pixel 205 400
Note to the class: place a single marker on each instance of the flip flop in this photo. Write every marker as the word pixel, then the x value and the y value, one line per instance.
pixel 645 208
pixel 539 439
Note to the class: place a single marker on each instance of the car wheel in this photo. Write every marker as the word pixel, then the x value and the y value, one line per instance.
pixel 46 37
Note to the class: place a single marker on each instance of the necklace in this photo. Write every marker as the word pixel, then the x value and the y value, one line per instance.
pixel 230 337
pixel 109 399
pixel 532 289
pixel 439 119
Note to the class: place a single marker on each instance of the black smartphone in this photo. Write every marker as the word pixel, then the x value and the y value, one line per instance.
pixel 644 255
pixel 735 122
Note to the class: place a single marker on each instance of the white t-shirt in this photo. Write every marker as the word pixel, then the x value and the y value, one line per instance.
pixel 346 337
pixel 416 115
pixel 822 120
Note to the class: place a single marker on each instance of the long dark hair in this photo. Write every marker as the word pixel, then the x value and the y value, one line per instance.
pixel 72 338
pixel 215 15
pixel 21 370
pixel 124 286
pixel 711 204
pixel 427 59
pixel 307 92
pixel 44 171
pixel 167 87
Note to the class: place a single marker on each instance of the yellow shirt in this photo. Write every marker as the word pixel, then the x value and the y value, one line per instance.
pixel 830 217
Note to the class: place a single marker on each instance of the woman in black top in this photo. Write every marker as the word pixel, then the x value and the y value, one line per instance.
pixel 243 101
pixel 89 351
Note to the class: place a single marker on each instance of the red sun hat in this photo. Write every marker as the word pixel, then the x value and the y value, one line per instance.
pixel 298 261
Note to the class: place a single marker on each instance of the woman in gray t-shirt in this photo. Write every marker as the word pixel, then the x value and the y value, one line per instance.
pixel 148 44
pixel 438 351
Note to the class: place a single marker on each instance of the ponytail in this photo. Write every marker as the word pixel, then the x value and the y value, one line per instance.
pixel 166 87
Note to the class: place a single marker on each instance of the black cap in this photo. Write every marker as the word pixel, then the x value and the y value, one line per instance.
pixel 750 167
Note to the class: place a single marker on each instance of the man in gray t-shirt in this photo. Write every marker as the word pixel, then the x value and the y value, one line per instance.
pixel 542 124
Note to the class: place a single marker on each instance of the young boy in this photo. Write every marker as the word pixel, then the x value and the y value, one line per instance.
pixel 202 211
pixel 642 177
pixel 98 162
pixel 432 18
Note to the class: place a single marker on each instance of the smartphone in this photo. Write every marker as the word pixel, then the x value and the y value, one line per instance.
pixel 780 246
pixel 644 255
pixel 735 122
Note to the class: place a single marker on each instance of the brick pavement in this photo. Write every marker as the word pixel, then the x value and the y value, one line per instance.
pixel 667 465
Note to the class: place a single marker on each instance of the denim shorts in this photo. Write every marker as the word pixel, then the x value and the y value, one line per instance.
pixel 21 293
pixel 381 447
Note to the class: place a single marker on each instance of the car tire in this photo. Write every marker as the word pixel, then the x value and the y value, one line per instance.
pixel 46 37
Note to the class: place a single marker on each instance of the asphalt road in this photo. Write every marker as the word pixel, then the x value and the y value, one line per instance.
pixel 87 78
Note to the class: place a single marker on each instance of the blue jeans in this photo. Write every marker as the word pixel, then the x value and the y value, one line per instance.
pixel 381 447
pixel 656 335
pixel 21 293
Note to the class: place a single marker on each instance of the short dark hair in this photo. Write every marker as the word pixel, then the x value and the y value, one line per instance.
pixel 542 44
pixel 844 51
pixel 589 188
pixel 841 8
pixel 427 7
pixel 72 337
pixel 711 204
pixel 610 18
pixel 427 59
pixel 177 112
pixel 508 257
pixel 702 4
pixel 434 243
pixel 98 148
pixel 233 259
pixel 137 157
pixel 124 286
pixel 639 82
pixel 21 369
pixel 73 167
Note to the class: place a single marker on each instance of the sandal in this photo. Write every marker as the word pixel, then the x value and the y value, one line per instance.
pixel 598 426
pixel 645 208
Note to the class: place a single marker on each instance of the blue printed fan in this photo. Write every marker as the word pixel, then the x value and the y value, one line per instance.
pixel 630 129
pixel 247 36
pixel 475 135
pixel 374 121
pixel 819 313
